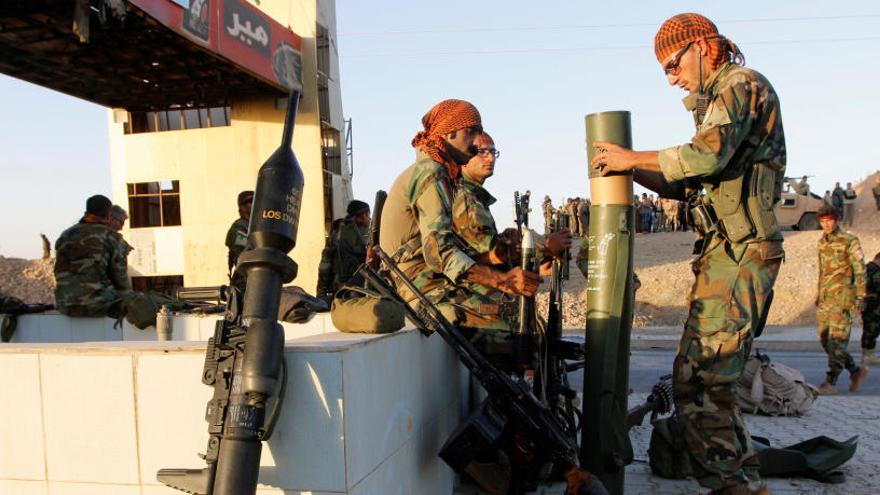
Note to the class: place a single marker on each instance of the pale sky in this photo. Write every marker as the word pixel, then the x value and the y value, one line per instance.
pixel 533 70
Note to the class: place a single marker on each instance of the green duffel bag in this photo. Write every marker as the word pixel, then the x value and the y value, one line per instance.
pixel 359 310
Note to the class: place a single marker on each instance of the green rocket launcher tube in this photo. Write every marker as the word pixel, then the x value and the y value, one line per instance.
pixel 605 445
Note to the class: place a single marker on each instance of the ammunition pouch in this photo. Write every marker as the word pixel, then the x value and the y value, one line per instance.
pixel 738 219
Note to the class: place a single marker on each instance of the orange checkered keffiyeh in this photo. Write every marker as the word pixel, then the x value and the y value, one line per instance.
pixel 682 29
pixel 443 118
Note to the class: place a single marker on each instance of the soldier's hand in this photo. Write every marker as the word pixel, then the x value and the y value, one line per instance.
pixel 519 282
pixel 558 242
pixel 372 259
pixel 612 158
pixel 546 269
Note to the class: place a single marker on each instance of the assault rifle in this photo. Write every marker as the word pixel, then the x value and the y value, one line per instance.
pixel 559 395
pixel 510 405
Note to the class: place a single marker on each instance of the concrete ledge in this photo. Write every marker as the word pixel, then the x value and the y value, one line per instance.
pixel 363 414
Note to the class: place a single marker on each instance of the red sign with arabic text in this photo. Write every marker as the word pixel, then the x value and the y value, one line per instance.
pixel 238 32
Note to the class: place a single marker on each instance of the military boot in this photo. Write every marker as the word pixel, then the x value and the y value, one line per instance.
pixel 827 388
pixel 868 357
pixel 856 378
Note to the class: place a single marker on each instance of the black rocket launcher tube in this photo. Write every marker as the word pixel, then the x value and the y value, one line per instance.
pixel 605 445
pixel 244 359
pixel 272 234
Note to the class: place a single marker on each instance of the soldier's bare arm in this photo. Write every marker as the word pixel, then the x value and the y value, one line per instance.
pixel 515 281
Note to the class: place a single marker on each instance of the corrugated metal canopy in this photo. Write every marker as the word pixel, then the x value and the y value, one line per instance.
pixel 140 62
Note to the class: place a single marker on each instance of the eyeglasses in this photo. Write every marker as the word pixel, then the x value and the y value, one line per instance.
pixel 673 68
pixel 488 151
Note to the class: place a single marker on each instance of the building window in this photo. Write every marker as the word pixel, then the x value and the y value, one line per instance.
pixel 176 119
pixel 154 204
pixel 165 284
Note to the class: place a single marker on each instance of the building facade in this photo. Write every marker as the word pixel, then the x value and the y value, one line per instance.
pixel 178 168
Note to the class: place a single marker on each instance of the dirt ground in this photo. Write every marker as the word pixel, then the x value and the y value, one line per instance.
pixel 662 261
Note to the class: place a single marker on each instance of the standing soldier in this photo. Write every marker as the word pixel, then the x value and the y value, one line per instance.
pixel 237 238
pixel 548 214
pixel 871 312
pixel 849 205
pixel 524 206
pixel 841 290
pixel 583 210
pixel 573 218
pixel 738 141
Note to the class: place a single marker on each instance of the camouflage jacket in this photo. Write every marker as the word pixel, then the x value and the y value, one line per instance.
pixel 417 221
pixel 547 206
pixel 841 268
pixel 90 270
pixel 237 239
pixel 471 216
pixel 742 128
pixel 345 251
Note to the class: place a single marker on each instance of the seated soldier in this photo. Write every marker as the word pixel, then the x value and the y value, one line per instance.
pixel 417 219
pixel 344 251
pixel 492 314
pixel 91 270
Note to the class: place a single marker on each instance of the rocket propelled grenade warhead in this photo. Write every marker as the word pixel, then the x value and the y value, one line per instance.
pixel 278 195
pixel 529 263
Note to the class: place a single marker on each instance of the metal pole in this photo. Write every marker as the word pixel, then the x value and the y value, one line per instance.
pixel 605 445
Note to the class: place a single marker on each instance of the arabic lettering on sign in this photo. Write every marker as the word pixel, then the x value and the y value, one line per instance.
pixel 246 26
pixel 246 33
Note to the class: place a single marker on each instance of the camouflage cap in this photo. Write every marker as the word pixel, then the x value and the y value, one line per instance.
pixel 828 211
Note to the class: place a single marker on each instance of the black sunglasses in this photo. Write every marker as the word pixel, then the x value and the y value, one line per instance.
pixel 673 68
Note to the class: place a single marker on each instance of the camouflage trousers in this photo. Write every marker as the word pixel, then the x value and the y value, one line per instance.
pixel 729 297
pixel 834 324
pixel 871 321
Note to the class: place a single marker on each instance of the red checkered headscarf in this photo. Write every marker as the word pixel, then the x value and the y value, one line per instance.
pixel 445 117
pixel 682 29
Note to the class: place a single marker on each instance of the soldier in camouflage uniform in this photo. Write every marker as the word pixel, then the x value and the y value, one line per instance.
pixel 547 206
pixel 116 221
pixel 871 312
pixel 90 267
pixel 737 156
pixel 841 290
pixel 345 250
pixel 492 314
pixel 417 218
pixel 237 238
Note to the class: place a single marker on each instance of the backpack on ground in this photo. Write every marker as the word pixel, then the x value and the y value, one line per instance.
pixel 773 388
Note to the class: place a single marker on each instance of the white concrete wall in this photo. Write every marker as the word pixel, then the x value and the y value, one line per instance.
pixel 52 327
pixel 362 415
